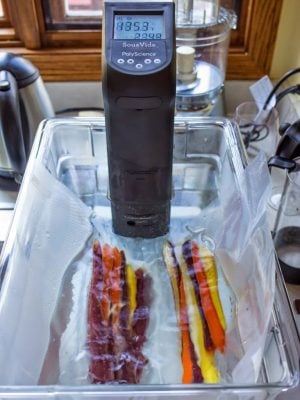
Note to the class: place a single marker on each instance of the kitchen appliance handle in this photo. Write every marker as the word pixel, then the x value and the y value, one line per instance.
pixel 11 124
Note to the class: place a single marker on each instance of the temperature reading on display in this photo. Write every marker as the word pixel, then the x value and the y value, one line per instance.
pixel 139 27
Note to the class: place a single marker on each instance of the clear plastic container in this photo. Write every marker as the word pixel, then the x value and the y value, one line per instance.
pixel 197 12
pixel 287 229
pixel 67 163
pixel 200 81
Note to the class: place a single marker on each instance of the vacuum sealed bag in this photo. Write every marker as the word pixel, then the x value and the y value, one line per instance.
pixel 185 308
pixel 91 307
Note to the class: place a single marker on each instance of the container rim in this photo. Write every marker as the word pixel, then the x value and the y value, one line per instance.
pixel 132 390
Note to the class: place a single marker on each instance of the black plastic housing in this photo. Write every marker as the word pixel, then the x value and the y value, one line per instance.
pixel 139 112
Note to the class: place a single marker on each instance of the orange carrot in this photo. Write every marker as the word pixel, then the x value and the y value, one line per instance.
pixel 210 268
pixel 191 370
pixel 115 286
pixel 187 363
pixel 214 324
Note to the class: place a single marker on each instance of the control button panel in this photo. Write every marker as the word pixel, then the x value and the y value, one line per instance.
pixel 138 55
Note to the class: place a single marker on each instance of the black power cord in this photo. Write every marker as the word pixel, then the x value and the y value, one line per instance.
pixel 278 84
pixel 257 132
pixel 260 131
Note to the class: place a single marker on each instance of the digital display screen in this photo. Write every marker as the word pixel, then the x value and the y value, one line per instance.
pixel 139 27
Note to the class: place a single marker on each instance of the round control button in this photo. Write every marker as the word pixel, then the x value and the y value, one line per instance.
pixel 120 61
pixel 139 66
pixel 147 61
pixel 130 61
pixel 157 61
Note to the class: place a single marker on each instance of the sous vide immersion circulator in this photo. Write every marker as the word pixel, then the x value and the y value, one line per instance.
pixel 139 89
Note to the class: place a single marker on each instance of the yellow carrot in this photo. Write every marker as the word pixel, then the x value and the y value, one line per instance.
pixel 132 289
pixel 210 269
pixel 173 274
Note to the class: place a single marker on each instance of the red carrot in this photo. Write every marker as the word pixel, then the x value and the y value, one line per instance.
pixel 105 299
pixel 141 320
pixel 141 314
pixel 116 346
pixel 101 365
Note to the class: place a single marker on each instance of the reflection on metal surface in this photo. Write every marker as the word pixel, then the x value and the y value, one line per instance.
pixel 203 94
pixel 5 220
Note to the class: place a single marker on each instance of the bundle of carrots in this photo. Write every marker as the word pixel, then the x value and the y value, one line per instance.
pixel 118 316
pixel 200 316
